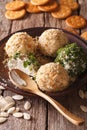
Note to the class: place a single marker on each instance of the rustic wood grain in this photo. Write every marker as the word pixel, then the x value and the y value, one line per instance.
pixel 44 116
pixel 5 24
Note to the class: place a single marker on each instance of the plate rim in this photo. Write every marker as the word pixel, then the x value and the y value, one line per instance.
pixel 28 29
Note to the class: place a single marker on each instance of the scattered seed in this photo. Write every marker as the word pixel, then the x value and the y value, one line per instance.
pixel 86 94
pixel 17 109
pixel 26 116
pixel 27 105
pixel 2 119
pixel 4 114
pixel 18 114
pixel 83 108
pixel 17 97
pixel 81 94
pixel 1 87
pixel 9 99
pixel 11 110
pixel 8 106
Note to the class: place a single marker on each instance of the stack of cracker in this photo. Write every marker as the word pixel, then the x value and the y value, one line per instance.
pixel 15 10
pixel 63 9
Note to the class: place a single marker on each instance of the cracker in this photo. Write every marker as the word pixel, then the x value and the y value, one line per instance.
pixel 71 30
pixel 62 13
pixel 39 2
pixel 73 5
pixel 50 6
pixel 15 5
pixel 32 8
pixel 12 15
pixel 84 35
pixel 76 21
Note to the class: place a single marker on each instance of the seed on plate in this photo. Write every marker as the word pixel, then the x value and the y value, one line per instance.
pixel 2 119
pixel 81 94
pixel 18 114
pixel 1 87
pixel 27 105
pixel 4 114
pixel 83 108
pixel 17 97
pixel 86 94
pixel 11 110
pixel 26 116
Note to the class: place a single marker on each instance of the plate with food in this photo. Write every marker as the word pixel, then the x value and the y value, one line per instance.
pixel 56 59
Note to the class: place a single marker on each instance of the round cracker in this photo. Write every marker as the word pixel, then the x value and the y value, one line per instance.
pixel 76 21
pixel 32 8
pixel 62 13
pixel 50 6
pixel 39 2
pixel 15 5
pixel 12 15
pixel 84 35
pixel 71 30
pixel 73 5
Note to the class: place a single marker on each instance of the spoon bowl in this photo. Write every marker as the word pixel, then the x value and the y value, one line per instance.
pixel 26 83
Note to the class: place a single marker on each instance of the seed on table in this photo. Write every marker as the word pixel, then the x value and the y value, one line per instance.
pixel 26 116
pixel 4 114
pixel 11 110
pixel 9 99
pixel 2 88
pixel 2 119
pixel 27 105
pixel 83 108
pixel 17 97
pixel 18 114
pixel 81 94
pixel 17 109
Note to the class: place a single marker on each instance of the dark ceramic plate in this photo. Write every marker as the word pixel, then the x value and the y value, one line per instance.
pixel 4 78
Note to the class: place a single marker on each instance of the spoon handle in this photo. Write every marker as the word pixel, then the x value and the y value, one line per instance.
pixel 68 115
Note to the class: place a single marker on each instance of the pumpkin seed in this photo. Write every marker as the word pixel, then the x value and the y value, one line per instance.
pixel 11 110
pixel 27 105
pixel 4 114
pixel 18 114
pixel 17 97
pixel 81 94
pixel 26 116
pixel 1 87
pixel 2 119
pixel 83 108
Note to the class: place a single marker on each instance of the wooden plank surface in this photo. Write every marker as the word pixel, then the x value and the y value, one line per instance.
pixel 44 116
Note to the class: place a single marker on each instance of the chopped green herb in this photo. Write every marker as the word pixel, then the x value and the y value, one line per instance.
pixel 17 55
pixel 26 63
pixel 72 58
pixel 31 60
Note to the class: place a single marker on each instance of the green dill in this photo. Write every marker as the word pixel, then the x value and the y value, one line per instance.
pixel 17 55
pixel 31 60
pixel 73 56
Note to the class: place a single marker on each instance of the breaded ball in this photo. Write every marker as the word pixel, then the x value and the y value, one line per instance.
pixel 52 77
pixel 20 42
pixel 51 40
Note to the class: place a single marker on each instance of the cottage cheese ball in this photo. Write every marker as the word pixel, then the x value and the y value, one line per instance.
pixel 20 42
pixel 51 40
pixel 52 77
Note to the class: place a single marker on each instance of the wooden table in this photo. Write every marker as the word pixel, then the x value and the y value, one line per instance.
pixel 44 116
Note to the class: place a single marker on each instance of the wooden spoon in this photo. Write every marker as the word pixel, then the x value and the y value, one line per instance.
pixel 26 83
